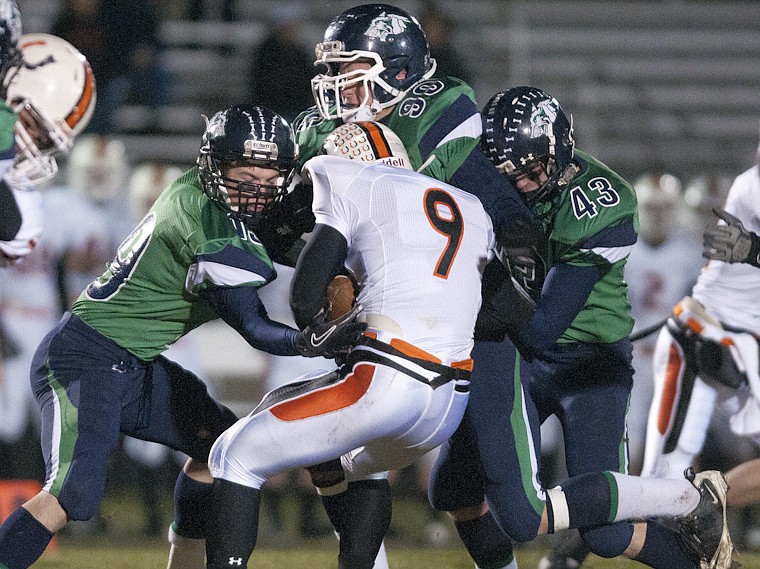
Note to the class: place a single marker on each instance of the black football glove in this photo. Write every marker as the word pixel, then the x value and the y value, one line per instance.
pixel 732 243
pixel 284 222
pixel 331 338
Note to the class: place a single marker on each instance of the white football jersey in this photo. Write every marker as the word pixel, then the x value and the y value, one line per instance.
pixel 658 277
pixel 731 292
pixel 29 202
pixel 401 228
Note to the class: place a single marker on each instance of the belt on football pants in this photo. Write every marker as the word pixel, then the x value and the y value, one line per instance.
pixel 378 353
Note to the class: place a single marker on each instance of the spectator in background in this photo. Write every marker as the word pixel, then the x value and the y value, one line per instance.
pixel 439 31
pixel 281 64
pixel 120 39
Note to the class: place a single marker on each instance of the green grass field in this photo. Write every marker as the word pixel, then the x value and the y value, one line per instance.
pixel 71 556
pixel 123 546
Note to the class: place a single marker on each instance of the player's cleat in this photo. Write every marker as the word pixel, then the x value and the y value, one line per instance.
pixel 705 527
pixel 568 553
pixel 552 561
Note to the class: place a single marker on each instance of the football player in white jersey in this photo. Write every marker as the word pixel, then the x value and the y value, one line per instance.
pixel 416 248
pixel 661 269
pixel 51 112
pixel 707 355
pixel 732 242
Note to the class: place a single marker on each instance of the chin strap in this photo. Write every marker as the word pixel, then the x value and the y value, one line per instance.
pixel 364 113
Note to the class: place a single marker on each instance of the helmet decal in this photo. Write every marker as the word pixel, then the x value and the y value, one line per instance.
pixel 542 118
pixel 215 125
pixel 387 25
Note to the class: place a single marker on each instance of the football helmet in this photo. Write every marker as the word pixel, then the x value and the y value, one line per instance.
pixel 660 202
pixel 523 128
pixel 146 183
pixel 246 135
pixel 10 32
pixel 367 142
pixel 390 40
pixel 98 167
pixel 53 93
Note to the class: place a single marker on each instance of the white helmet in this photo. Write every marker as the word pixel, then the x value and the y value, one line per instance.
pixel 702 194
pixel 146 183
pixel 368 142
pixel 53 93
pixel 98 167
pixel 660 202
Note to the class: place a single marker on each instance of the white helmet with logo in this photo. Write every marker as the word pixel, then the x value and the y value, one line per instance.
pixel 53 93
pixel 146 183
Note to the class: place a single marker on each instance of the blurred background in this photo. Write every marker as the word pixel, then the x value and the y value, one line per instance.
pixel 663 92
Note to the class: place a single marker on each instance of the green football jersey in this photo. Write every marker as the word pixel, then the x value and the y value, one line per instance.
pixel 7 132
pixel 438 121
pixel 594 222
pixel 148 297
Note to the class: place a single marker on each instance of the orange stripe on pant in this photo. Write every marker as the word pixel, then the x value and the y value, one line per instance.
pixel 672 379
pixel 339 396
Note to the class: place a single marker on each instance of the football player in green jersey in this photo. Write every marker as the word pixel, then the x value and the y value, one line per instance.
pixel 194 257
pixel 579 368
pixel 377 66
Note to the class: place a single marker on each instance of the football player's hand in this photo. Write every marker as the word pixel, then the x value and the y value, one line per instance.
pixel 732 242
pixel 331 338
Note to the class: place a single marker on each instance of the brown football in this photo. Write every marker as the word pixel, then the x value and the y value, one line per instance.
pixel 341 295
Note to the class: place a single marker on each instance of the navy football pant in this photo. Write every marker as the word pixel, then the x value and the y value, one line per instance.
pixel 90 390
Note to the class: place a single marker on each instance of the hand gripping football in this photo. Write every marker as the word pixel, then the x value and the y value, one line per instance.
pixel 341 295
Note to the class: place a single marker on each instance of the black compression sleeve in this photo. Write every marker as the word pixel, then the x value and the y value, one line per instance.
pixel 320 261
pixel 10 215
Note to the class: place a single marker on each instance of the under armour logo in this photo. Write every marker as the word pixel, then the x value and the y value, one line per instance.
pixel 236 561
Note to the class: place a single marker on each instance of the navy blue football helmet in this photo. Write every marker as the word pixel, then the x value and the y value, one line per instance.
pixel 246 135
pixel 524 127
pixel 10 32
pixel 390 40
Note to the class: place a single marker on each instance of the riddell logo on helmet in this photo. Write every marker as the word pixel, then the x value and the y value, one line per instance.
pixel 258 147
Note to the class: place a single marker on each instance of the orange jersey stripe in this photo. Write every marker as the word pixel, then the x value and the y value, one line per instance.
pixel 339 396
pixel 377 139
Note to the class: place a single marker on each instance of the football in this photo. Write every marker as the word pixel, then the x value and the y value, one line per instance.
pixel 341 295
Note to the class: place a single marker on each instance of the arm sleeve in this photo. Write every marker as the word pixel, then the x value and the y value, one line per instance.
pixel 10 215
pixel 242 309
pixel 321 260
pixel 566 290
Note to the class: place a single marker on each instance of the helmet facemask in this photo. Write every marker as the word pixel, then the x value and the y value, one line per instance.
pixel 383 84
pixel 543 171
pixel 245 201
pixel 327 88
pixel 39 140
pixel 246 136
